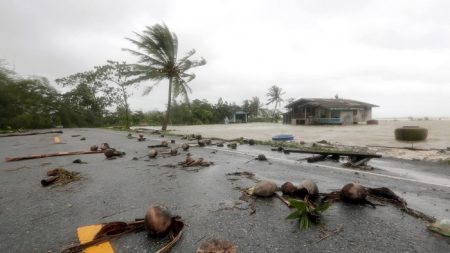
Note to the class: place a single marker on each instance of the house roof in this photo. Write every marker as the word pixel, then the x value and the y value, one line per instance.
pixel 331 103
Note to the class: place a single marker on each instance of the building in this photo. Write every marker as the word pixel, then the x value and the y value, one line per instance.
pixel 323 111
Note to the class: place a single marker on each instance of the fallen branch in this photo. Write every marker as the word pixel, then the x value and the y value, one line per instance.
pixel 20 158
pixel 33 133
pixel 278 195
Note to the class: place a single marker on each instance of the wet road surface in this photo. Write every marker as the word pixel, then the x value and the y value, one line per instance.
pixel 38 219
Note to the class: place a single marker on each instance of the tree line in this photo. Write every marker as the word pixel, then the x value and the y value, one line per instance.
pixel 100 97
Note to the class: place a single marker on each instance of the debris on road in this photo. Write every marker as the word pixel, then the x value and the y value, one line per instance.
pixel 190 162
pixel 232 145
pixel 289 188
pixel 20 158
pixel 242 174
pixel 263 189
pixel 185 146
pixel 82 138
pixel 307 212
pixel 217 246
pixel 32 133
pixel 79 161
pixel 60 176
pixel 94 148
pixel 104 146
pixel 441 227
pixel 157 222
pixel 112 153
pixel 152 153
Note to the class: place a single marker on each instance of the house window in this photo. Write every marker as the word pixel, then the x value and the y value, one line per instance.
pixel 335 114
pixel 355 112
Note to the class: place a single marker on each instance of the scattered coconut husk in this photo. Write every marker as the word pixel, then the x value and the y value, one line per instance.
pixel 185 146
pixel 152 153
pixel 289 188
pixel 104 146
pixel 79 161
pixel 263 189
pixel 60 176
pixel 112 153
pixel 156 220
pixel 216 246
pixel 307 189
pixel 190 162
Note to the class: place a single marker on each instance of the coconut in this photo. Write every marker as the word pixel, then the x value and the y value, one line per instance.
pixel 173 151
pixel 104 146
pixel 308 188
pixel 251 142
pixel 157 220
pixel 216 246
pixel 164 143
pixel 201 143
pixel 152 153
pixel 288 188
pixel 94 148
pixel 261 157
pixel 264 188
pixel 354 192
pixel 185 146
pixel 110 152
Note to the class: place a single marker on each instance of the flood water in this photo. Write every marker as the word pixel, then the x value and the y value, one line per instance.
pixel 358 135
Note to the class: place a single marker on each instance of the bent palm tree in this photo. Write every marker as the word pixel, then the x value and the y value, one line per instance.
pixel 274 94
pixel 157 52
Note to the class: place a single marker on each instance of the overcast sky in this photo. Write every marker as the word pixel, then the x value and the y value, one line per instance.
pixel 395 54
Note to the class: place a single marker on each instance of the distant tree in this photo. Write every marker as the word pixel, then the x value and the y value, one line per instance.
pixel 157 52
pixel 254 107
pixel 290 100
pixel 115 76
pixel 274 95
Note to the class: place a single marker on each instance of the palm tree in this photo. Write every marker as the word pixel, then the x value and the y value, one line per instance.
pixel 274 94
pixel 157 52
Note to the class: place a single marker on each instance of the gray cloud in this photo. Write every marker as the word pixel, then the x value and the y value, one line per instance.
pixel 395 54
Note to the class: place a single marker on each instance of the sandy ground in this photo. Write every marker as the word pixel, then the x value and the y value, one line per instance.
pixel 354 135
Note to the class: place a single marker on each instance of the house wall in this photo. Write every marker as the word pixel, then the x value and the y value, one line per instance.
pixel 347 117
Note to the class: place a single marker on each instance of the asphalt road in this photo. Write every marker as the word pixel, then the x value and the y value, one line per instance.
pixel 38 219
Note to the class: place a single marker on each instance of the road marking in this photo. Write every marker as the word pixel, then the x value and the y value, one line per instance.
pixel 87 233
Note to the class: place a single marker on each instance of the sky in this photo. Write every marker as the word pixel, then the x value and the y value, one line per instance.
pixel 395 54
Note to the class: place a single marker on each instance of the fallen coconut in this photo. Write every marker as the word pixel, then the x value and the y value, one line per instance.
pixel 261 157
pixel 185 146
pixel 288 188
pixel 104 146
pixel 94 148
pixel 173 151
pixel 110 152
pixel 152 153
pixel 307 188
pixel 216 246
pixel 354 193
pixel 251 142
pixel 264 188
pixel 157 220
pixel 164 143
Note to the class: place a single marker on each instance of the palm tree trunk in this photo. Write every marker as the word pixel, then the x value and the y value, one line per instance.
pixel 169 100
pixel 127 110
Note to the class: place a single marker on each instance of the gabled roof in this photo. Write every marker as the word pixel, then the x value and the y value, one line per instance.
pixel 331 103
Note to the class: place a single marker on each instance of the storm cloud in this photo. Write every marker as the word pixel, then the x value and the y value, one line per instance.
pixel 395 54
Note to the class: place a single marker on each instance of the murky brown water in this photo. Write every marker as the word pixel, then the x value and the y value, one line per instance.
pixel 359 135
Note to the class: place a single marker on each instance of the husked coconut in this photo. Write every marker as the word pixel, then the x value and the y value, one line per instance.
pixel 157 220
pixel 308 188
pixel 216 246
pixel 264 188
pixel 288 188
